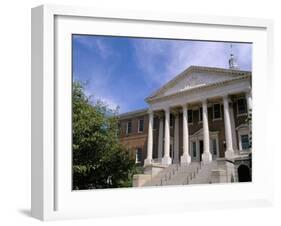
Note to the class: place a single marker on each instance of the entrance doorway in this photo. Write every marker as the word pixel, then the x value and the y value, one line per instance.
pixel 201 149
pixel 244 174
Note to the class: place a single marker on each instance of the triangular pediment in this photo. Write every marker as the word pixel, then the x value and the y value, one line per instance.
pixel 197 77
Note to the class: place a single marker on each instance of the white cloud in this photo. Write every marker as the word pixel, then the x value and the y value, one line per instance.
pixel 179 55
pixel 95 44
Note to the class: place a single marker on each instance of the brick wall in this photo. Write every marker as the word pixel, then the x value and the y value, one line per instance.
pixel 136 140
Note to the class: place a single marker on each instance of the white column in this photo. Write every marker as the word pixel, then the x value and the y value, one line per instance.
pixel 176 139
pixel 166 160
pixel 148 159
pixel 206 156
pixel 233 130
pixel 229 153
pixel 160 139
pixel 249 101
pixel 185 158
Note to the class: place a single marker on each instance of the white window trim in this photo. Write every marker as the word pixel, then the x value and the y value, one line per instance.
pixel 127 127
pixel 243 130
pixel 213 111
pixel 215 137
pixel 136 157
pixel 241 114
pixel 139 126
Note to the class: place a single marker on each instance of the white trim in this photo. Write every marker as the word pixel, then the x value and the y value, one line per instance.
pixel 46 159
pixel 139 125
pixel 242 129
pixel 213 111
pixel 136 155
pixel 246 107
pixel 127 127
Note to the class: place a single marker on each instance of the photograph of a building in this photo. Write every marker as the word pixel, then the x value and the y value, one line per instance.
pixel 194 129
pixel 199 116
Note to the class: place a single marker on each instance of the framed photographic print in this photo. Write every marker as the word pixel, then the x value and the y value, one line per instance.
pixel 136 113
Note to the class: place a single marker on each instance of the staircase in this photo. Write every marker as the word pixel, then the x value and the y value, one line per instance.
pixel 176 174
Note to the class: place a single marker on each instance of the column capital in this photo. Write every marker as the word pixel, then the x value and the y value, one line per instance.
pixel 150 111
pixel 166 109
pixel 204 101
pixel 225 97
pixel 248 93
pixel 175 112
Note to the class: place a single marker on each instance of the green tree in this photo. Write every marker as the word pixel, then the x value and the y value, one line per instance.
pixel 99 160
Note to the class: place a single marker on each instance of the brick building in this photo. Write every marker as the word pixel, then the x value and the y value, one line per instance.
pixel 199 116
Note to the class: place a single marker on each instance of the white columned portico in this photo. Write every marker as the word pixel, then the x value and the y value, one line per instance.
pixel 148 159
pixel 160 139
pixel 166 160
pixel 206 156
pixel 176 139
pixel 229 153
pixel 185 158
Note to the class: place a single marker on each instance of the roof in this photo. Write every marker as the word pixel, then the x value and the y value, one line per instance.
pixel 135 113
pixel 192 69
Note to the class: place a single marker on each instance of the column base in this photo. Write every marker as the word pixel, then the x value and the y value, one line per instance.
pixel 185 159
pixel 206 157
pixel 166 160
pixel 147 162
pixel 229 154
pixel 175 160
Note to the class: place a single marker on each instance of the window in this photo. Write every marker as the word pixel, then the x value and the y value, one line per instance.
pixel 129 127
pixel 194 149
pixel 140 127
pixel 190 116
pixel 245 141
pixel 200 115
pixel 171 121
pixel 155 123
pixel 214 146
pixel 244 137
pixel 241 106
pixel 138 155
pixel 216 111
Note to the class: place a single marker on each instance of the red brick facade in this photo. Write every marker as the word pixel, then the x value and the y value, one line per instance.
pixel 136 139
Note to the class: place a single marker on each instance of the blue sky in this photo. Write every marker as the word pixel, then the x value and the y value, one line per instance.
pixel 123 71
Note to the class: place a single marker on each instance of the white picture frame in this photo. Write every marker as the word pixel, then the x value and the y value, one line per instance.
pixel 52 197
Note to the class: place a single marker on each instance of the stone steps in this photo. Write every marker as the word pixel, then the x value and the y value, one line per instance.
pixel 176 174
pixel 204 176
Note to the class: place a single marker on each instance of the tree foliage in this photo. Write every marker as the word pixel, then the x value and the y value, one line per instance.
pixel 99 160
